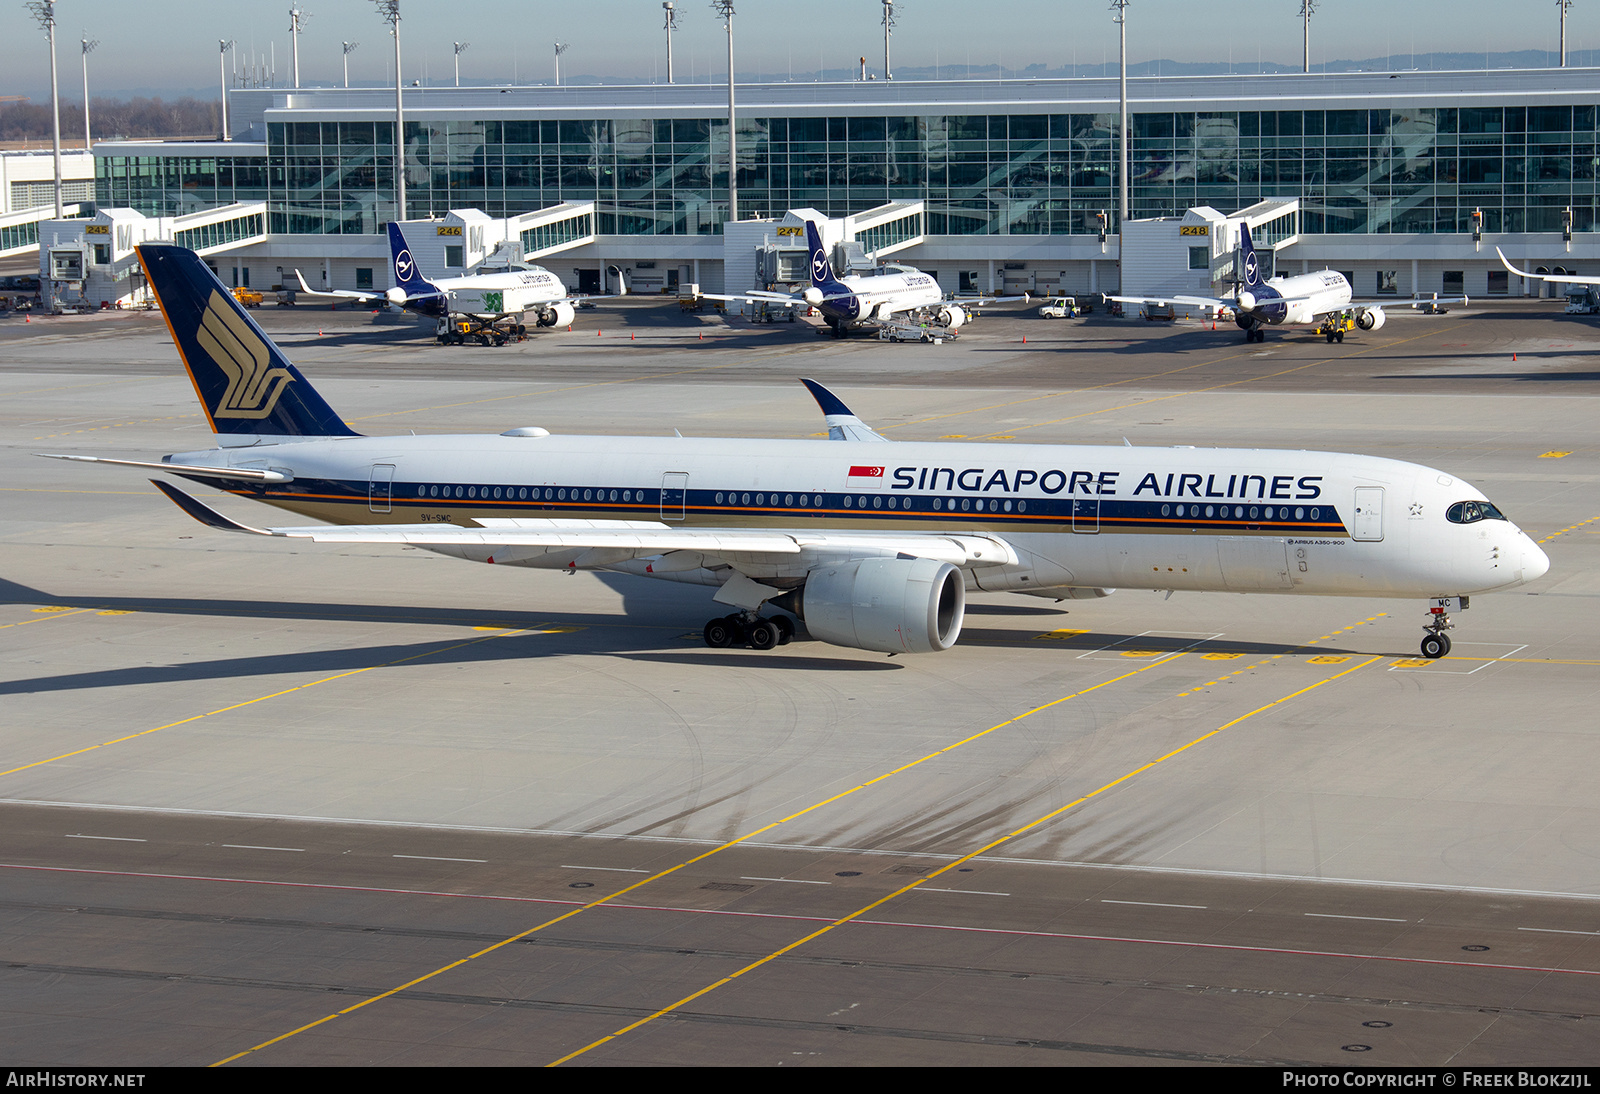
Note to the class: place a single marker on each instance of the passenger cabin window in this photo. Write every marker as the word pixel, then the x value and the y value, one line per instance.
pixel 1469 512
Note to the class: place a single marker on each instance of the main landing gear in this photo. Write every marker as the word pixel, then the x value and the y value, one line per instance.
pixel 1435 643
pixel 748 629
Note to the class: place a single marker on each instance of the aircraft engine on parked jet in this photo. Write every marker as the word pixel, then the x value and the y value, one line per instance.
pixel 951 316
pixel 891 605
pixel 1370 318
pixel 556 315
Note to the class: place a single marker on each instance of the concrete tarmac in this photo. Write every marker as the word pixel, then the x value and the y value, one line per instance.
pixel 247 784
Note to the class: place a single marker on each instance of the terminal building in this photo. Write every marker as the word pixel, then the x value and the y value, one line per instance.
pixel 989 185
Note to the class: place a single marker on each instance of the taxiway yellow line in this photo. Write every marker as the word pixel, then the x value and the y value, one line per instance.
pixel 953 865
pixel 251 702
pixel 44 618
pixel 690 862
pixel 1564 531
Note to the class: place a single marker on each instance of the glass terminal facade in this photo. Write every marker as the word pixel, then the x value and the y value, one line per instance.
pixel 1405 170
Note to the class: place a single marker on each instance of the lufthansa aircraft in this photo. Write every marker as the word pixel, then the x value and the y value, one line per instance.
pixel 874 545
pixel 861 301
pixel 483 303
pixel 1320 300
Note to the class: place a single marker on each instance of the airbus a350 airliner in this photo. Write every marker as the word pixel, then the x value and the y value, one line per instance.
pixel 874 545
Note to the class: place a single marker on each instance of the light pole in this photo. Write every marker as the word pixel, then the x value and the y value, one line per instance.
pixel 561 47
pixel 1563 5
pixel 349 48
pixel 390 10
pixel 44 12
pixel 1306 8
pixel 297 20
pixel 724 8
pixel 888 25
pixel 461 47
pixel 88 47
pixel 1123 126
pixel 223 46
pixel 672 25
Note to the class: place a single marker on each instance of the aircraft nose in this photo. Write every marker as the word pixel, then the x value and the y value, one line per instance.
pixel 1535 563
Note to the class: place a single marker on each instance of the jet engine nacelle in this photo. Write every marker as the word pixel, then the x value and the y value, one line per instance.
pixel 557 315
pixel 395 296
pixel 1370 318
pixel 952 316
pixel 891 605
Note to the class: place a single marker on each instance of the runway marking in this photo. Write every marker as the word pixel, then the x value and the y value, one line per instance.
pixel 439 858
pixel 113 425
pixel 953 865
pixel 1553 455
pixel 912 924
pixel 258 847
pixel 1366 918
pixel 1564 531
pixel 960 892
pixel 1411 664
pixel 785 880
pixel 608 869
pixel 700 858
pixel 55 613
pixel 257 699
pixel 1156 904
pixel 119 839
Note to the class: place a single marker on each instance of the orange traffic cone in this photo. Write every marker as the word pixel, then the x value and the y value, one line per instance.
pixel 634 337
pixel 1024 339
pixel 319 332
pixel 597 332
pixel 569 328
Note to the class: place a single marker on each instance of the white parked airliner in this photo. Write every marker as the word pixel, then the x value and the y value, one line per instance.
pixel 865 301
pixel 874 545
pixel 1321 300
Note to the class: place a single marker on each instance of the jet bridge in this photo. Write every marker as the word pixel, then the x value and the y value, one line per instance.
pixel 1197 252
pixel 88 264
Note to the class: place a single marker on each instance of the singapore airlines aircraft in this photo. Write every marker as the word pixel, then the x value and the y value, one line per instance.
pixel 482 303
pixel 863 301
pixel 874 545
pixel 1320 300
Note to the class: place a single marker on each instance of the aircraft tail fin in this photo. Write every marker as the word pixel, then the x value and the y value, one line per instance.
pixel 245 383
pixel 1249 263
pixel 406 275
pixel 821 269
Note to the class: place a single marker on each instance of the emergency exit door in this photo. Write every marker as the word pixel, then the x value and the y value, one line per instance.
pixel 1367 522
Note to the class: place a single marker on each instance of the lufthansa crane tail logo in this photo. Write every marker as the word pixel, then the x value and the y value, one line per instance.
pixel 819 266
pixel 1252 267
pixel 253 384
pixel 404 268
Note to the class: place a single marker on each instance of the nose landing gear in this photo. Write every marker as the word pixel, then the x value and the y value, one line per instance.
pixel 1436 643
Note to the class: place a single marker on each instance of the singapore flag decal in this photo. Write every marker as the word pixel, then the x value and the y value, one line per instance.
pixel 866 473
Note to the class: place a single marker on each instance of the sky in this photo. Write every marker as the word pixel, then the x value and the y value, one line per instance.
pixel 170 48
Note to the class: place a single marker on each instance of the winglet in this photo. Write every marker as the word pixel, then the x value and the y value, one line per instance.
pixel 843 425
pixel 1504 262
pixel 203 512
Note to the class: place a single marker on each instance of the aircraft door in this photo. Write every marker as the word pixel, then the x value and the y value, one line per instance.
pixel 674 492
pixel 1367 523
pixel 1086 515
pixel 380 485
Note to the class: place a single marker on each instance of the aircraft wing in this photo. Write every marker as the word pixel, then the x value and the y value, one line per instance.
pixel 1187 301
pixel 782 300
pixel 610 542
pixel 1559 279
pixel 338 294
pixel 1392 303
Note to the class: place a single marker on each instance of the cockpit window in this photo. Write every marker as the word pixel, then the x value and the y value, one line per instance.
pixel 1468 512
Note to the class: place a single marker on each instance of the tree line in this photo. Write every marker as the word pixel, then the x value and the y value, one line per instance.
pixel 110 118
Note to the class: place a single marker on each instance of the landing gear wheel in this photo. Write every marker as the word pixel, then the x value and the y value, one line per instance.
pixel 1435 646
pixel 719 634
pixel 785 629
pixel 1339 337
pixel 1330 337
pixel 762 634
